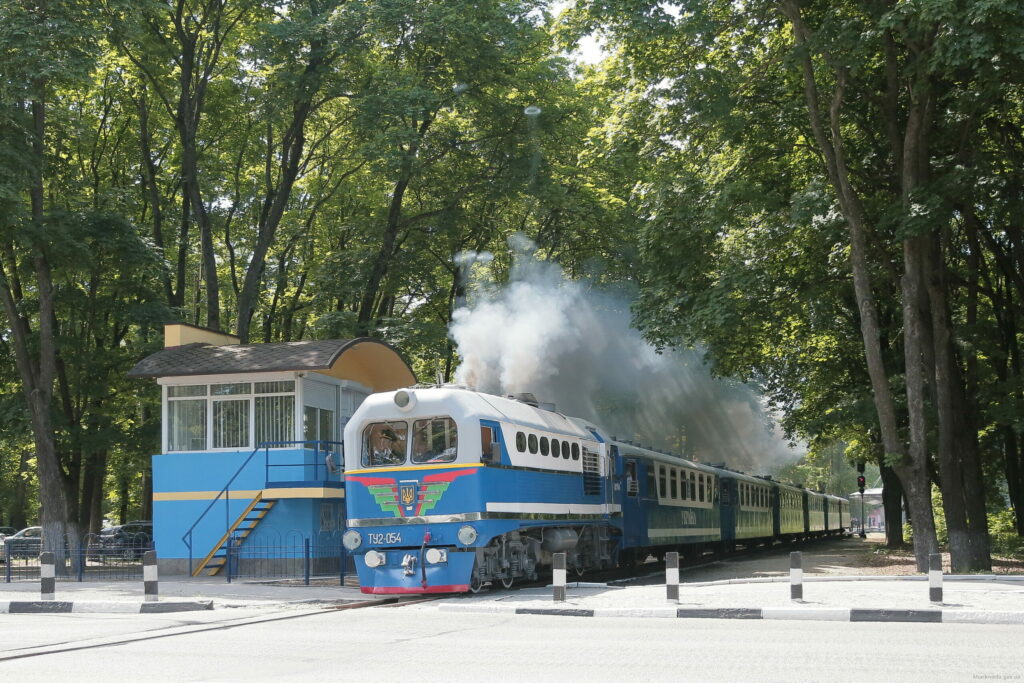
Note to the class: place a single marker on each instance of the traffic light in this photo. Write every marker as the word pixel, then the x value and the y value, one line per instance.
pixel 860 483
pixel 860 467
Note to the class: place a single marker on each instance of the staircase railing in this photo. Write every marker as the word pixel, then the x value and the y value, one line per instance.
pixel 225 493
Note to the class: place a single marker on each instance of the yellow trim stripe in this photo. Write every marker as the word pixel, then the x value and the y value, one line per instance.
pixel 413 468
pixel 298 492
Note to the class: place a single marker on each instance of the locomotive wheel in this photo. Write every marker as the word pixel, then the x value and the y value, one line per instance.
pixel 579 570
pixel 507 583
pixel 475 584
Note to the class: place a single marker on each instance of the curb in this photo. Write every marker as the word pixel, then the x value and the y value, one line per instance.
pixel 773 613
pixel 111 607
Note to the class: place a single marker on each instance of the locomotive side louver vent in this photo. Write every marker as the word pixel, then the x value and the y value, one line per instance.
pixel 591 473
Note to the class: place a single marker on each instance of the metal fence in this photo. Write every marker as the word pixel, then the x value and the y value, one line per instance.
pixel 87 560
pixel 295 558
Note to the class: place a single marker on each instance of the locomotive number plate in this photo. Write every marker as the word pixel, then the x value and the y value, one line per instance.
pixel 386 539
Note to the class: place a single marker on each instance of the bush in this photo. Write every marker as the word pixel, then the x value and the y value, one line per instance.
pixel 1003 533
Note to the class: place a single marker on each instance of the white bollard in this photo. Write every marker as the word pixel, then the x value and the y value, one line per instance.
pixel 149 576
pixel 796 576
pixel 672 577
pixel 558 577
pixel 935 577
pixel 47 575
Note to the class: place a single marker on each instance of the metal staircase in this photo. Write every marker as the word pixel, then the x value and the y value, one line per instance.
pixel 287 474
pixel 236 533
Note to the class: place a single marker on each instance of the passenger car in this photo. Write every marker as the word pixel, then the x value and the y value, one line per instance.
pixel 126 540
pixel 26 543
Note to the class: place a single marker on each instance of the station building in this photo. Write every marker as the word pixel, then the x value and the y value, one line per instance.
pixel 251 439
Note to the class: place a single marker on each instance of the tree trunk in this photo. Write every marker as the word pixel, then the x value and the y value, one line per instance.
pixel 911 470
pixel 892 503
pixel 957 444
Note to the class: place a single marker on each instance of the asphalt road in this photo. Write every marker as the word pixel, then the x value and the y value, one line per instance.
pixel 420 643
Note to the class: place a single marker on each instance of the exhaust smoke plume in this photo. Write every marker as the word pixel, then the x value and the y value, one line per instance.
pixel 573 345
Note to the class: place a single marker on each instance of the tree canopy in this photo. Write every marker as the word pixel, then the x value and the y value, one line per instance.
pixel 824 198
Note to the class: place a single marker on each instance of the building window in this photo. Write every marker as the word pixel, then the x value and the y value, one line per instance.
pixel 230 415
pixel 275 418
pixel 317 424
pixel 231 424
pixel 186 420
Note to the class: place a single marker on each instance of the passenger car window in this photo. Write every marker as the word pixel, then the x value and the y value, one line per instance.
pixel 543 445
pixel 533 443
pixel 565 451
pixel 520 442
pixel 384 444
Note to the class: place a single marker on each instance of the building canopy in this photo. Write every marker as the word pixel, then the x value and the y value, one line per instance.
pixel 370 362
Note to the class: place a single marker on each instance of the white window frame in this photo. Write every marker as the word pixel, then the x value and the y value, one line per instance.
pixel 250 377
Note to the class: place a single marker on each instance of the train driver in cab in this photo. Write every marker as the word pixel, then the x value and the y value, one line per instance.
pixel 385 444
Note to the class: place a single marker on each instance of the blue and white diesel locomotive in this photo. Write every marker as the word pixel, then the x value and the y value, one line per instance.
pixel 448 489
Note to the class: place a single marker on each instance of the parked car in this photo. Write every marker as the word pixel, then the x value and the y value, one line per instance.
pixel 25 543
pixel 7 531
pixel 126 540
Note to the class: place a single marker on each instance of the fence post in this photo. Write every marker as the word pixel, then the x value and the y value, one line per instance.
pixel 80 560
pixel 150 576
pixel 305 560
pixel 672 576
pixel 796 576
pixel 7 563
pixel 228 553
pixel 47 575
pixel 558 577
pixel 935 577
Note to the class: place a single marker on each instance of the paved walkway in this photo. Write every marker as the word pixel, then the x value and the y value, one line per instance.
pixel 186 593
pixel 855 598
pixel 992 599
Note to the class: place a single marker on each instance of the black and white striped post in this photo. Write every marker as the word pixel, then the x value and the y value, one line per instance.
pixel 149 576
pixel 935 577
pixel 47 576
pixel 796 576
pixel 672 577
pixel 558 577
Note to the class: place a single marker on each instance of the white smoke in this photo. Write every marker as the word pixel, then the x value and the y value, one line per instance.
pixel 572 344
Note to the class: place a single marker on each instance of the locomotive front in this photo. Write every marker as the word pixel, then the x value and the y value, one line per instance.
pixel 413 459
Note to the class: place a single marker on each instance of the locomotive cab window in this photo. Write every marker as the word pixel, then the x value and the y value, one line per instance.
pixel 384 444
pixel 434 440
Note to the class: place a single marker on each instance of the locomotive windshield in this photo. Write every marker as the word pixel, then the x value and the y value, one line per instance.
pixel 384 444
pixel 434 440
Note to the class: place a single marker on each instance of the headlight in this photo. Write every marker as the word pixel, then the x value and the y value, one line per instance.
pixel 352 539
pixel 436 555
pixel 374 559
pixel 405 400
pixel 467 535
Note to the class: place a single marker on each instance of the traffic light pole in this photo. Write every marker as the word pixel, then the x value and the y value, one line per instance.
pixel 862 534
pixel 860 487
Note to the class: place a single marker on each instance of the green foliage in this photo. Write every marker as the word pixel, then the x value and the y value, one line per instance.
pixel 1003 533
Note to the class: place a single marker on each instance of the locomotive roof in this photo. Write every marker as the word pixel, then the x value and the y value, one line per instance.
pixel 463 403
